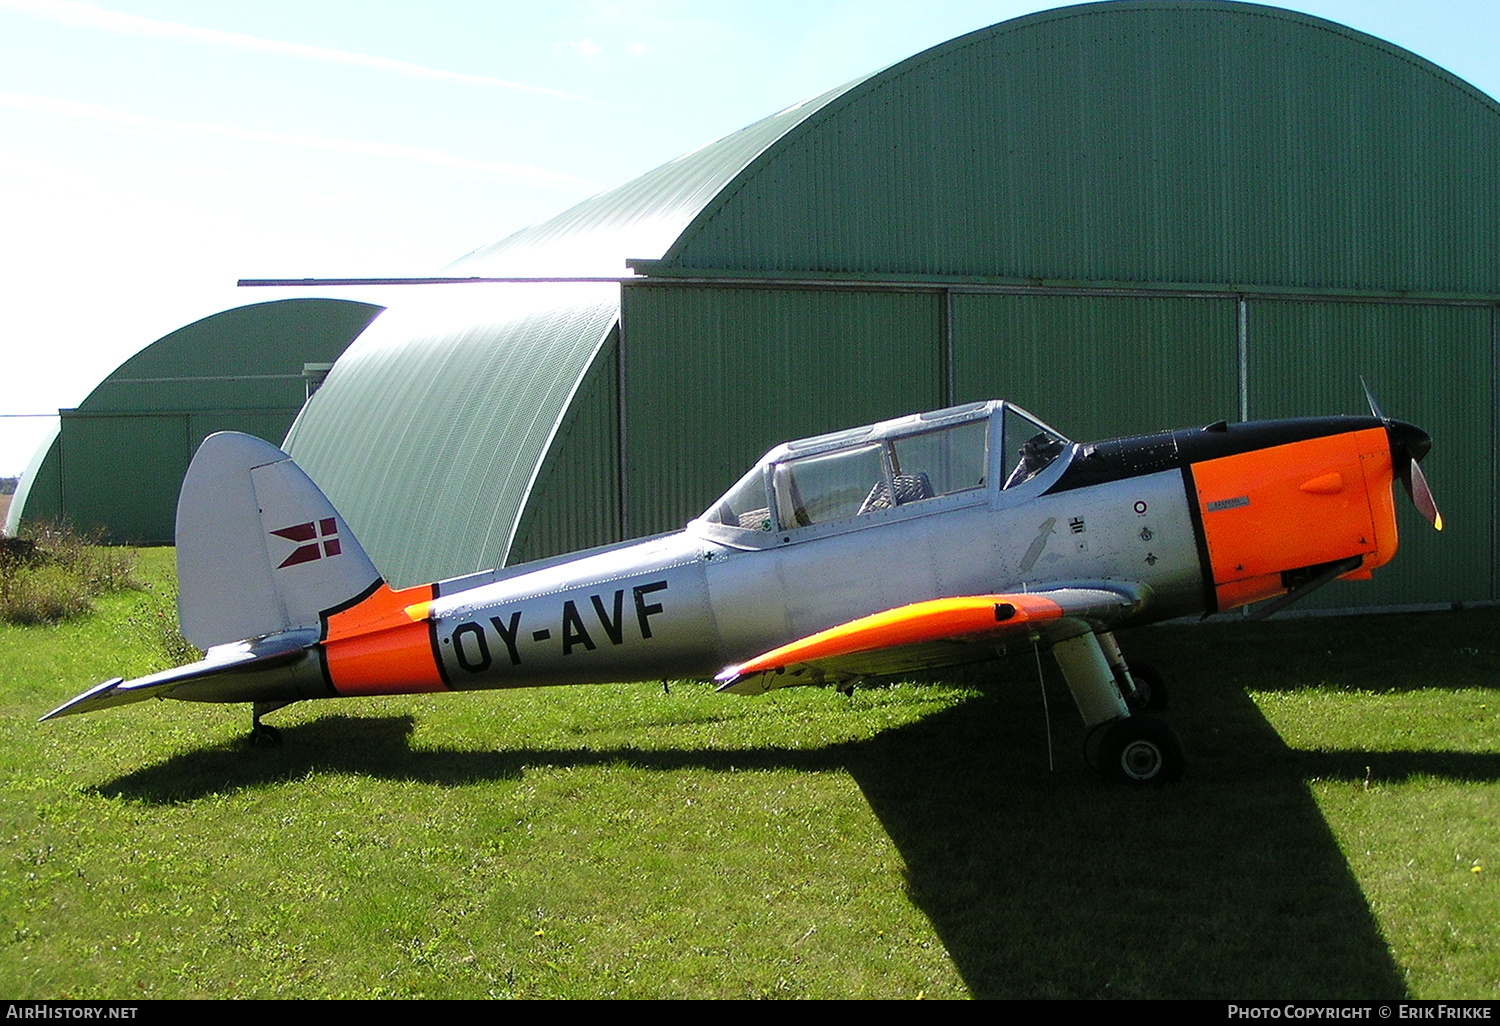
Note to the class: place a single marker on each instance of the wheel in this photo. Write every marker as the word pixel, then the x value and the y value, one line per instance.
pixel 1093 745
pixel 263 735
pixel 1141 750
pixel 1150 687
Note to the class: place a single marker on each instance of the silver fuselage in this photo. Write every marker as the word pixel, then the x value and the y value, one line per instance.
pixel 691 603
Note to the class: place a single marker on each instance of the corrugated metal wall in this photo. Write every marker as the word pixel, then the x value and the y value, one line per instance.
pixel 575 501
pixel 747 366
pixel 463 389
pixel 121 472
pixel 1431 365
pixel 1099 366
pixel 715 377
pixel 1132 142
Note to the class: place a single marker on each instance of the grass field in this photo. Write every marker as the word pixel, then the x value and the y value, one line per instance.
pixel 1337 833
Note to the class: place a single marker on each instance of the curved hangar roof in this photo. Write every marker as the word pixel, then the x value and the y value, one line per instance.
pixel 1185 148
pixel 430 429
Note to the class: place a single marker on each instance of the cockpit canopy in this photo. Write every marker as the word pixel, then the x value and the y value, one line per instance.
pixel 858 472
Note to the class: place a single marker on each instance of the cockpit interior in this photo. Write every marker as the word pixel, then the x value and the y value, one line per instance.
pixel 846 475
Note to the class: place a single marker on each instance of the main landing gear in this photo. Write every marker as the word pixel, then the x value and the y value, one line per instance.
pixel 1126 744
pixel 1140 749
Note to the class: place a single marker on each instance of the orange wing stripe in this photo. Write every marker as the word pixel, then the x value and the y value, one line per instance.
pixel 908 625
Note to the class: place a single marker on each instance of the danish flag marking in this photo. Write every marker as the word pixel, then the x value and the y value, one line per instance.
pixel 322 536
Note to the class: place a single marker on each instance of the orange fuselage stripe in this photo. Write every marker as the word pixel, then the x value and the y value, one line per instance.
pixel 383 646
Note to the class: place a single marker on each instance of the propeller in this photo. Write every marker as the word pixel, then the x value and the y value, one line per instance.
pixel 1408 445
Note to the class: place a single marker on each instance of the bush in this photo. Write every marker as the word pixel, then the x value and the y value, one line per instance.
pixel 45 593
pixel 156 626
pixel 52 573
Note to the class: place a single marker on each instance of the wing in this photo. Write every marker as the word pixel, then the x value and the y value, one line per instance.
pixel 940 632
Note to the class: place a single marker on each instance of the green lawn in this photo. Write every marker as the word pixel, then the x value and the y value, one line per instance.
pixel 1336 833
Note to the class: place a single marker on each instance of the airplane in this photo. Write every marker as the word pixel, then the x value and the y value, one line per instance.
pixel 921 542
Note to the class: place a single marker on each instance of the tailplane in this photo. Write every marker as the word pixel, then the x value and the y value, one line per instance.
pixel 260 549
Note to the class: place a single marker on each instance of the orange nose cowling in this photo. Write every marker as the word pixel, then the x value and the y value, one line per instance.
pixel 1293 506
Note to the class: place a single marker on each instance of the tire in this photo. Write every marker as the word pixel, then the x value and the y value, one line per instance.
pixel 1150 686
pixel 1141 750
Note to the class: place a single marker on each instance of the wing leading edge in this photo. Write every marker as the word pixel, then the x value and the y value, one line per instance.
pixel 938 632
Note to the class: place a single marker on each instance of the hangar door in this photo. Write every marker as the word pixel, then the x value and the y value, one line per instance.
pixel 715 376
pixel 1098 366
pixel 1427 364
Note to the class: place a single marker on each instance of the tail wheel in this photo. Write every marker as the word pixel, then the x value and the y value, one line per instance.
pixel 263 735
pixel 1141 750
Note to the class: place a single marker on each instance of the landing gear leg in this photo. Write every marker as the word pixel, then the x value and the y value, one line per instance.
pixel 1138 749
pixel 1143 687
pixel 263 735
pixel 1090 679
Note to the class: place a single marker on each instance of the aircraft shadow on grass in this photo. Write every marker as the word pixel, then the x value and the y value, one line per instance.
pixel 1038 883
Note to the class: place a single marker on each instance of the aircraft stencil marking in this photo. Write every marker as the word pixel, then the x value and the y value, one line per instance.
pixel 1037 545
pixel 910 544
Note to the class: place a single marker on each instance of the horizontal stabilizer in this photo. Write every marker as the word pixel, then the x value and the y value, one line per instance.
pixel 925 635
pixel 208 673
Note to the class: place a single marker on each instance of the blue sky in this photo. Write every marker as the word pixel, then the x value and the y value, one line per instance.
pixel 154 151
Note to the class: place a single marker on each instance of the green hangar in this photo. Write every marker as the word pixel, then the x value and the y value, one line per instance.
pixel 116 462
pixel 1123 216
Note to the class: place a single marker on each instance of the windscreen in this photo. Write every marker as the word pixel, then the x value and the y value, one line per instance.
pixel 1030 446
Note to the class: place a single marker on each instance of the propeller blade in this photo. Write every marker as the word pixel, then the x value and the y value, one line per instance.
pixel 1408 445
pixel 1370 398
pixel 1421 495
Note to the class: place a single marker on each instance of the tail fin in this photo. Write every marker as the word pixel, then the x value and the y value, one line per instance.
pixel 260 549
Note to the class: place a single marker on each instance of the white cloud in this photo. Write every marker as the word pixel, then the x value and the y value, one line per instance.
pixel 587 47
pixel 89 16
pixel 73 110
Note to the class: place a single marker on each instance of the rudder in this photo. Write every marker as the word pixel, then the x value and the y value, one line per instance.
pixel 260 549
